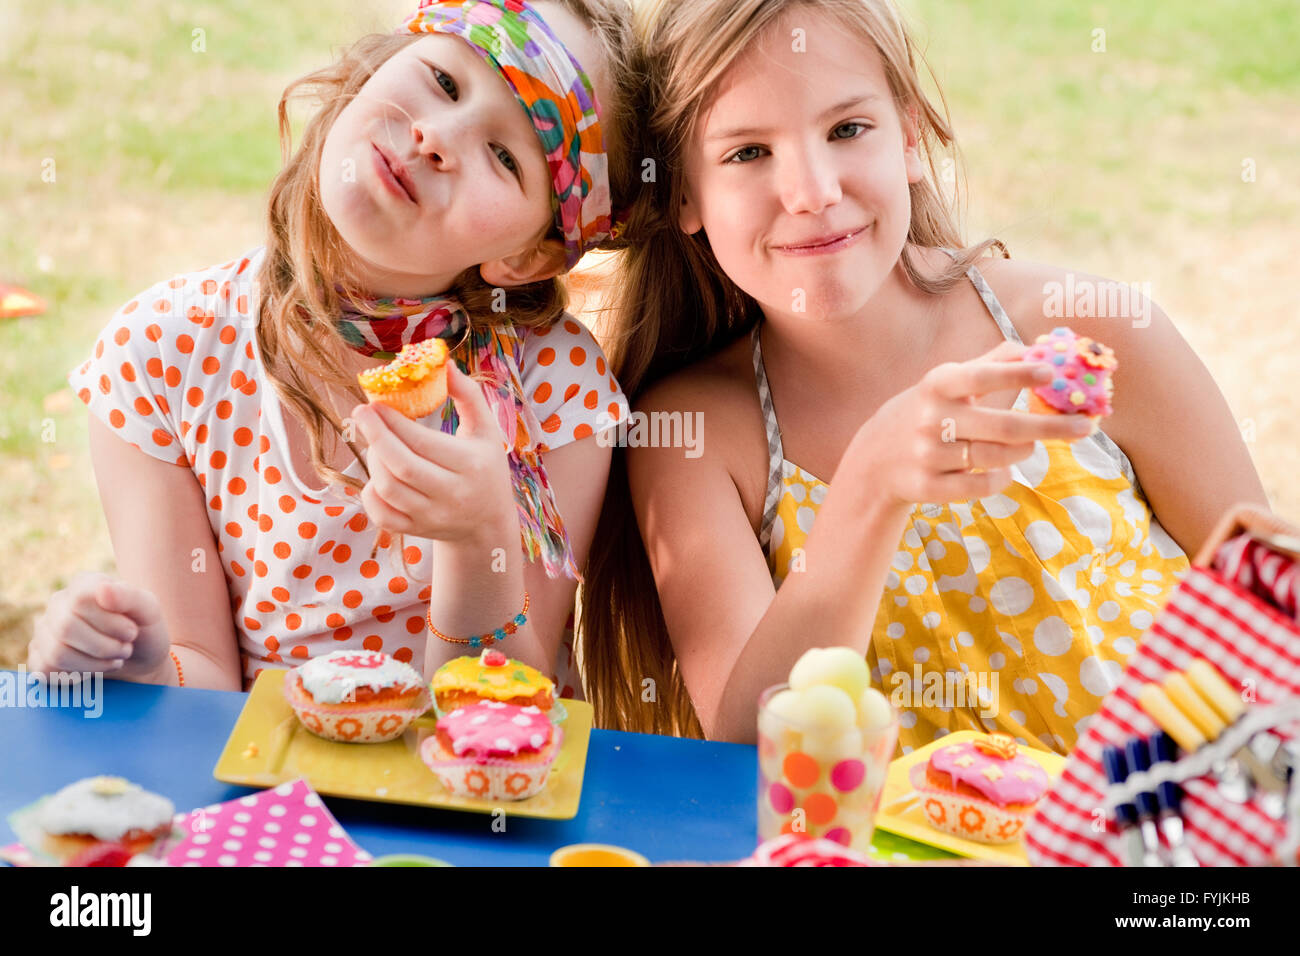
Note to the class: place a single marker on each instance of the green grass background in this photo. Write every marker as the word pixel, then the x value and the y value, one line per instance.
pixel 1126 163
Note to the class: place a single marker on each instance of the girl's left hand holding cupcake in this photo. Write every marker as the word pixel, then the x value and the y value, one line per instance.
pixel 430 484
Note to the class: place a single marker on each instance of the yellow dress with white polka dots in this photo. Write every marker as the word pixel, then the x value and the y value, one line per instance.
pixel 1014 612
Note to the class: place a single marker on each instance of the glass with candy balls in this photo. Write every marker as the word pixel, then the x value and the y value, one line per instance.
pixel 822 761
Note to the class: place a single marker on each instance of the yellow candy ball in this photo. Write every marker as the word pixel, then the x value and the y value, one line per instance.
pixel 826 710
pixel 874 710
pixel 784 708
pixel 841 667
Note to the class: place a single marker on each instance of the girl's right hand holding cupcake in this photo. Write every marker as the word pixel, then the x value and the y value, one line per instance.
pixel 99 623
pixel 933 442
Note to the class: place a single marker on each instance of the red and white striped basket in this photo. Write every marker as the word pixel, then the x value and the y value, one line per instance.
pixel 1252 644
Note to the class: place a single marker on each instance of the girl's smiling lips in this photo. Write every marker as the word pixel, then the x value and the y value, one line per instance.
pixel 832 242
pixel 394 175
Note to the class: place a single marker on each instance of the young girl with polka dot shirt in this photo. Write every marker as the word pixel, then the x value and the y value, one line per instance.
pixel 448 179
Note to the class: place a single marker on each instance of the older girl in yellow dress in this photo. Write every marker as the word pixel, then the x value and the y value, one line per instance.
pixel 869 474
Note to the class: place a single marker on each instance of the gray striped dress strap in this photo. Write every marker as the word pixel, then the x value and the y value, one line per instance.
pixel 994 306
pixel 1009 332
pixel 775 453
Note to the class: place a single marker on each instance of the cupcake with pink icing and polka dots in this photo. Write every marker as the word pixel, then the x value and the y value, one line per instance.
pixel 493 750
pixel 1082 384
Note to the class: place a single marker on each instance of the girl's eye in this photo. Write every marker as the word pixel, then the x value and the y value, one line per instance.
pixel 507 160
pixel 744 151
pixel 448 87
pixel 854 126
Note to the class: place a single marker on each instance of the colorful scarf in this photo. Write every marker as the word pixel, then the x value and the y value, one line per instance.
pixel 559 99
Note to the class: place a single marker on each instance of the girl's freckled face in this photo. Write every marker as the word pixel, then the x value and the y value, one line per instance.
pixel 801 148
pixel 480 180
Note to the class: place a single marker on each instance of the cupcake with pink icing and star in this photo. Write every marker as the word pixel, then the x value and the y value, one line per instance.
pixel 982 789
pixel 493 751
pixel 1082 384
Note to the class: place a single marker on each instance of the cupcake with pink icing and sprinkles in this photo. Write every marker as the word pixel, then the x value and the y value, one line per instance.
pixel 493 750
pixel 1082 384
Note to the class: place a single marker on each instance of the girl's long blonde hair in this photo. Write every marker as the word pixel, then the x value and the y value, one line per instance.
pixel 305 255
pixel 673 305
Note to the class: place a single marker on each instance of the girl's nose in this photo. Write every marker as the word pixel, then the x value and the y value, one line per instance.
pixel 433 143
pixel 809 181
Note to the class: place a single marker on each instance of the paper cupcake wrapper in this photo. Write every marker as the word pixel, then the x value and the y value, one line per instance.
pixel 493 779
pixel 352 723
pixel 971 818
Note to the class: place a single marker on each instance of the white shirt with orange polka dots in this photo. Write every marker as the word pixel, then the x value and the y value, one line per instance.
pixel 176 373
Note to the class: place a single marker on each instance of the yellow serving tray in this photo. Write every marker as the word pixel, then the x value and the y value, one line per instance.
pixel 268 746
pixel 904 816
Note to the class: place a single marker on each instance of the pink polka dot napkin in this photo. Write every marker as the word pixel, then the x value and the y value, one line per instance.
pixel 284 826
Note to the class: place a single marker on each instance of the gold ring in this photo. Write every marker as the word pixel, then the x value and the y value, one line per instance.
pixel 965 456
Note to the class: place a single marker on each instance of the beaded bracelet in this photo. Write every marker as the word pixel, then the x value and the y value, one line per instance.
pixel 180 674
pixel 483 640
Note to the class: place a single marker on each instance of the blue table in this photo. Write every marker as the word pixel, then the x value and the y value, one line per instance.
pixel 666 798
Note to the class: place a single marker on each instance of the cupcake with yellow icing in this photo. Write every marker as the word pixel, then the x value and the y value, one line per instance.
pixel 490 676
pixel 414 383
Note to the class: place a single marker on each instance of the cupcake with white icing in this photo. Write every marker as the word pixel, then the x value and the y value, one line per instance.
pixel 95 811
pixel 356 696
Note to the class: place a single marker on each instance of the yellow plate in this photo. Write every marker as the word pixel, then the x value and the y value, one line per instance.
pixel 904 816
pixel 269 746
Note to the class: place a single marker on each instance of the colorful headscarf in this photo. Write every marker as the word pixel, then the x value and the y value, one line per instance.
pixel 559 99
pixel 555 93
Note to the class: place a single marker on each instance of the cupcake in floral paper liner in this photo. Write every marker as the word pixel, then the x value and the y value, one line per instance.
pixel 356 697
pixel 493 751
pixel 490 676
pixel 1082 384
pixel 88 818
pixel 982 790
